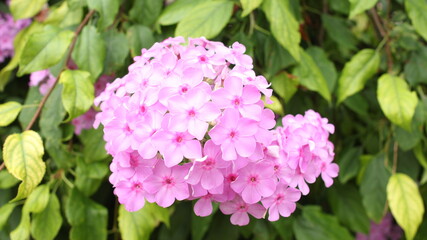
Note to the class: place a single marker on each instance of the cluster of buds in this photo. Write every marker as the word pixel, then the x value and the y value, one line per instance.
pixel 189 122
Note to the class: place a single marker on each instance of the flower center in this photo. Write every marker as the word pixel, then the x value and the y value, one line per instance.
pixel 208 164
pixel 168 181
pixel 233 134
pixel 203 59
pixel 191 113
pixel 236 101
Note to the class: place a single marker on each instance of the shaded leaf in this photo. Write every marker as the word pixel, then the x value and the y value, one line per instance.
pixel 139 37
pixel 117 49
pixel 325 65
pixel 46 224
pixel 5 212
pixel 177 10
pixel 146 12
pixel 349 163
pixel 107 9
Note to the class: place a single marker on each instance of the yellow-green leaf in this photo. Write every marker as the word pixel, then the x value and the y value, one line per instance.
pixel 26 8
pixel 206 19
pixel 396 100
pixel 249 5
pixel 23 230
pixel 406 203
pixel 46 224
pixel 22 154
pixel 77 93
pixel 284 26
pixel 357 72
pixel 8 112
pixel 5 212
pixel 38 199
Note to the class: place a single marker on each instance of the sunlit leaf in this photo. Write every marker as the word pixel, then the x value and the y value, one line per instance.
pixel 8 112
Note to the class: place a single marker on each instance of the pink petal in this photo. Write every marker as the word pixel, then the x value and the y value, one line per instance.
pixel 164 197
pixel 286 208
pixel 192 149
pixel 240 218
pixel 257 210
pixel 273 214
pixel 245 146
pixel 209 112
pixel 266 187
pixel 234 85
pixel 251 111
pixel 203 207
pixel 228 207
pixel 180 191
pixel 250 194
pixel 251 94
pixel 228 151
pixel 212 179
pixel 197 128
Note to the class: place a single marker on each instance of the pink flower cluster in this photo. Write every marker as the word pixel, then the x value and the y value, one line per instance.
pixel 188 122
pixel 8 30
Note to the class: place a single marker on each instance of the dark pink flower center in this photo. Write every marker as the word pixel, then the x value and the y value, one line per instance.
pixel 191 113
pixel 208 164
pixel 242 207
pixel 236 101
pixel 232 177
pixel 178 139
pixel 203 59
pixel 253 179
pixel 168 181
pixel 233 134
pixel 183 89
pixel 142 109
pixel 128 130
pixel 133 161
pixel 279 198
pixel 137 186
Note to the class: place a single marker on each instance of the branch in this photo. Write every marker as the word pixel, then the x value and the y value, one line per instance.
pixel 379 25
pixel 2 166
pixel 68 59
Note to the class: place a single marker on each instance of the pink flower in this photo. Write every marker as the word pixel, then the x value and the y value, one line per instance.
pixel 167 184
pixel 44 79
pixel 239 210
pixel 234 95
pixel 282 202
pixel 255 181
pixel 132 194
pixel 234 134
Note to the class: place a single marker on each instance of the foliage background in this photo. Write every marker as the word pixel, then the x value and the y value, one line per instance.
pixel 360 63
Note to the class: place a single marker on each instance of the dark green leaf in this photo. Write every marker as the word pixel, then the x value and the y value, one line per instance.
pixel 117 49
pixel 177 11
pixel 33 98
pixel 284 85
pixel 108 10
pixel 5 212
pixel 339 31
pixel 314 224
pixel 94 145
pixel 414 68
pixel 325 65
pixel 373 188
pixel 139 37
pixel 87 218
pixel 349 163
pixel 146 12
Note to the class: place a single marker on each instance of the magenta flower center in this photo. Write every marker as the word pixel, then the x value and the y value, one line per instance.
pixel 137 186
pixel 253 179
pixel 208 164
pixel 233 134
pixel 168 181
pixel 203 59
pixel 236 101
pixel 191 113
pixel 242 207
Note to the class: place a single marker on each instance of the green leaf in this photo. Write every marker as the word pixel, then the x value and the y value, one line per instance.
pixel 419 154
pixel 284 26
pixel 338 30
pixel 340 6
pixel 87 218
pixel 26 8
pixel 274 55
pixel 346 203
pixel 359 6
pixel 77 92
pixel 284 227
pixel 349 163
pixel 139 225
pixel 325 65
pixel 22 154
pixel 177 11
pixel 52 116
pixel 146 12
pixel 206 19
pixel 373 188
pixel 117 50
pixel 37 200
pixel 44 49
pixel 407 140
pixel 94 144
pixel 8 112
pixel 406 203
pixel 416 10
pixel 18 44
pixel 5 212
pixel 90 50
pixel 276 106
pixel 396 100
pixel 357 72
pixel 314 224
pixel 33 98
pixel 311 77
pixel 200 225
pixel 107 9
pixel 249 5
pixel 139 37
pixel 23 230
pixel 63 16
pixel 89 176
pixel 414 68
pixel 284 85
pixel 7 180
pixel 46 224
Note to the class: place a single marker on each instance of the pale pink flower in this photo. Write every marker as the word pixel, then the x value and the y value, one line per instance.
pixel 282 202
pixel 239 210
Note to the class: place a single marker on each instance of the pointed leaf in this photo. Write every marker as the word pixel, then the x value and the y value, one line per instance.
pixel 177 11
pixel 249 5
pixel 284 26
pixel 396 100
pixel 8 112
pixel 406 203
pixel 77 92
pixel 89 53
pixel 359 6
pixel 311 77
pixel 107 9
pixel 44 49
pixel 416 10
pixel 26 8
pixel 285 86
pixel 357 72
pixel 314 224
pixel 139 225
pixel 46 224
pixel 22 154
pixel 206 19
pixel 373 188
